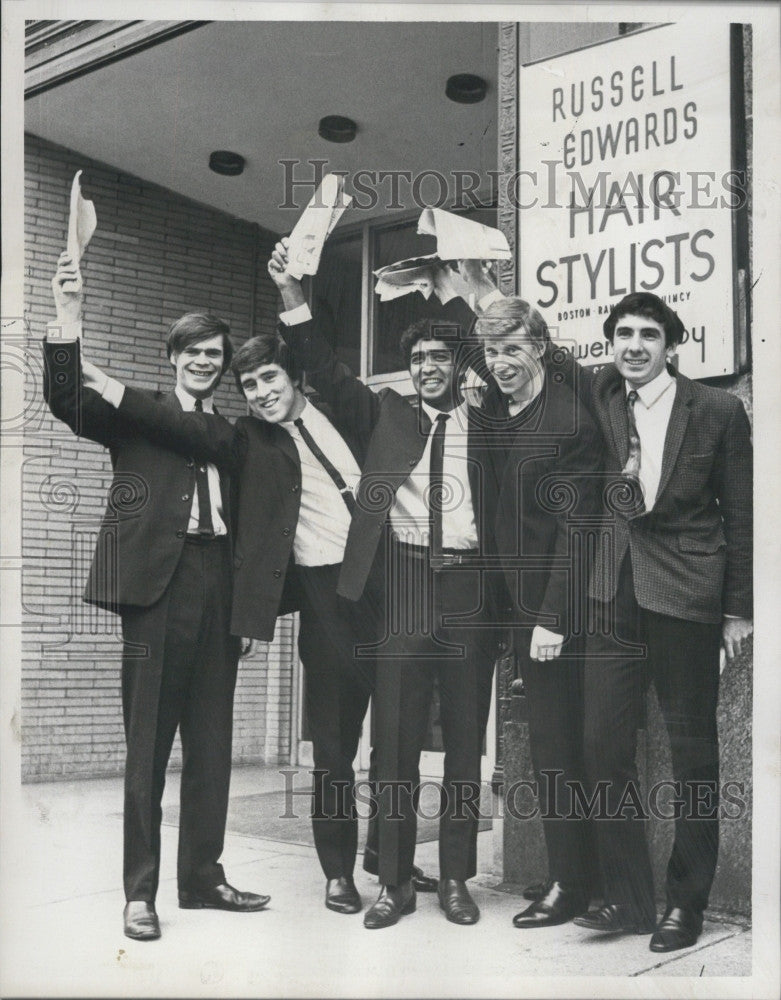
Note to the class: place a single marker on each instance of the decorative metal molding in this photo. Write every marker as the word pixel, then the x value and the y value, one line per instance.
pixel 508 146
pixel 58 51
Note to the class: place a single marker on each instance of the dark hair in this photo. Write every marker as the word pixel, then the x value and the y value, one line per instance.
pixel 265 349
pixel 192 328
pixel 509 315
pixel 651 306
pixel 446 330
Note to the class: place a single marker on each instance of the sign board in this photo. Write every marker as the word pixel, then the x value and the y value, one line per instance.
pixel 627 184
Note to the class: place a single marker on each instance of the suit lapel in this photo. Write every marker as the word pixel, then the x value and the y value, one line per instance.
pixel 676 429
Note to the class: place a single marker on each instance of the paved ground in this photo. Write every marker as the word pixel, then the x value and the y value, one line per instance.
pixel 62 933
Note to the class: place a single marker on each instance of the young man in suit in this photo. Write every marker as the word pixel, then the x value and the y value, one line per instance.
pixel 672 585
pixel 163 562
pixel 543 467
pixel 425 558
pixel 293 469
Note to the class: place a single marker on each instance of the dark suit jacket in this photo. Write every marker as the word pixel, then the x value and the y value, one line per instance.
pixel 265 470
pixel 393 436
pixel 141 538
pixel 544 478
pixel 692 554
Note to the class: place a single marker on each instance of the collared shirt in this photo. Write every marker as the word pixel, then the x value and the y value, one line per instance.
pixel 652 415
pixel 113 392
pixel 410 514
pixel 323 519
pixel 188 405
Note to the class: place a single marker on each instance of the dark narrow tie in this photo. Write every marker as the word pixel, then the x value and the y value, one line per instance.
pixel 205 523
pixel 436 484
pixel 331 469
pixel 632 467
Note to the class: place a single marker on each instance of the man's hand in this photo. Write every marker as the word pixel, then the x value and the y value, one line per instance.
pixel 476 274
pixel 545 645
pixel 289 287
pixel 734 632
pixel 68 291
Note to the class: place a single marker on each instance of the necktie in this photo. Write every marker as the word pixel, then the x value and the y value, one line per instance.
pixel 632 467
pixel 205 523
pixel 436 484
pixel 332 471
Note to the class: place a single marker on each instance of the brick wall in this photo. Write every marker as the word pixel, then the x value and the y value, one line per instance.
pixel 154 256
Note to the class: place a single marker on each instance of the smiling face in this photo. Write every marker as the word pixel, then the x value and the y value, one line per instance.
pixel 432 370
pixel 271 393
pixel 198 366
pixel 639 349
pixel 513 360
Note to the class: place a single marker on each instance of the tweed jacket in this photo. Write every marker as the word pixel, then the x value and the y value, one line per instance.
pixel 692 554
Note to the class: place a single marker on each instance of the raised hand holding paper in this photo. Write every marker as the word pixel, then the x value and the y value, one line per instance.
pixel 315 225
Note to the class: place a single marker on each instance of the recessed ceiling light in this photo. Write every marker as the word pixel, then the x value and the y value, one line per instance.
pixel 466 88
pixel 222 161
pixel 337 128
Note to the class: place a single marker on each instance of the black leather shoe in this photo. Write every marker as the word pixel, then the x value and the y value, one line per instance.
pixel 615 919
pixel 423 883
pixel 222 897
pixel 536 891
pixel 678 928
pixel 392 904
pixel 341 896
pixel 455 900
pixel 141 921
pixel 557 906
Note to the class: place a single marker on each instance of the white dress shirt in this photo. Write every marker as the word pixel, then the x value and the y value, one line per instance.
pixel 323 519
pixel 652 415
pixel 410 513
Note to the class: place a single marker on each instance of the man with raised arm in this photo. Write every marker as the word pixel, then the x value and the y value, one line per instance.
pixel 163 563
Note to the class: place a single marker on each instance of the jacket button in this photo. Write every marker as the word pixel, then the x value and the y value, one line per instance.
pixel 277 574
pixel 185 497
pixel 180 534
pixel 286 531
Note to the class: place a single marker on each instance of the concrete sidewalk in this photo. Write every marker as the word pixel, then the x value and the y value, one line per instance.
pixel 62 935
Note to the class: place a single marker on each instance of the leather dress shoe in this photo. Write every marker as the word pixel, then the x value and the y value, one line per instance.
pixel 141 921
pixel 221 897
pixel 341 896
pixel 536 891
pixel 392 904
pixel 678 928
pixel 423 883
pixel 615 919
pixel 557 906
pixel 455 900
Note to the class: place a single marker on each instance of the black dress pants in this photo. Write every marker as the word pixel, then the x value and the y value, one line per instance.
pixel 632 647
pixel 554 696
pixel 338 689
pixel 420 647
pixel 179 670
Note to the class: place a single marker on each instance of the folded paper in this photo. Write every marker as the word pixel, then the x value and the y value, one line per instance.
pixel 82 222
pixel 315 225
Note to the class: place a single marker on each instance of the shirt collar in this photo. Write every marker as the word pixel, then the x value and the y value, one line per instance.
pixel 652 391
pixel 307 411
pixel 188 401
pixel 458 414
